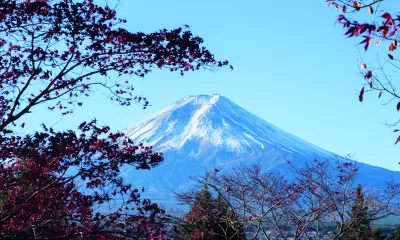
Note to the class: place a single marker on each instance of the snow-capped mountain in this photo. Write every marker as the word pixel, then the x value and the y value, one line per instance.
pixel 200 132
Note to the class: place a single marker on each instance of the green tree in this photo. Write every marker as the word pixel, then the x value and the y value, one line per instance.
pixel 209 218
pixel 359 222
pixel 376 234
pixel 396 234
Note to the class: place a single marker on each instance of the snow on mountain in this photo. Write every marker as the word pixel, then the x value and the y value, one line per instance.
pixel 199 132
pixel 218 122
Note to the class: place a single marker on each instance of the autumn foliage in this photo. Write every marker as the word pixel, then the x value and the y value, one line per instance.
pixel 66 185
pixel 380 26
pixel 60 46
pixel 42 177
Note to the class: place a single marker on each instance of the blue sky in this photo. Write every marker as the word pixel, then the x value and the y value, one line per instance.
pixel 292 67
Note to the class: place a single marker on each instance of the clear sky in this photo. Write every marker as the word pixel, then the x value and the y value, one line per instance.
pixel 292 67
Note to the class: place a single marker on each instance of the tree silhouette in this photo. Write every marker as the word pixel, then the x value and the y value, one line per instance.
pixel 318 197
pixel 66 185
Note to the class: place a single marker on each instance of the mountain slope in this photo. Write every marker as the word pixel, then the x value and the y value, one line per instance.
pixel 218 122
pixel 199 132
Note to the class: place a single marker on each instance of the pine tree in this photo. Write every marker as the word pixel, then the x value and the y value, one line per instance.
pixel 209 218
pixel 396 234
pixel 359 222
pixel 376 234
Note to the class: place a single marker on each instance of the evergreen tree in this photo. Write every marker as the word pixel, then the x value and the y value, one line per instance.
pixel 396 234
pixel 209 218
pixel 359 221
pixel 376 234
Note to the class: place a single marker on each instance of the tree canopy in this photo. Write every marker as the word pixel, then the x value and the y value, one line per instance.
pixel 66 184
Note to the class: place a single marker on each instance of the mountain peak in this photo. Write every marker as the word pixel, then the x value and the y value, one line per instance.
pixel 215 122
pixel 190 117
pixel 205 132
pixel 201 99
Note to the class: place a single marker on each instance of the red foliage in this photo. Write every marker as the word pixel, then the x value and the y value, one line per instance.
pixel 61 45
pixel 384 27
pixel 196 215
pixel 41 181
pixel 361 96
pixel 386 30
pixel 62 185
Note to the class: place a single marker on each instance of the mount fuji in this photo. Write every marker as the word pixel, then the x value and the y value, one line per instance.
pixel 205 132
